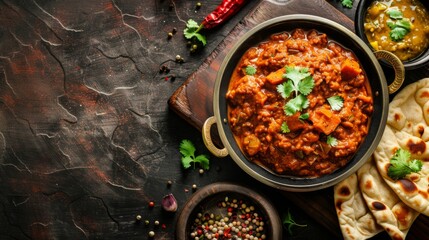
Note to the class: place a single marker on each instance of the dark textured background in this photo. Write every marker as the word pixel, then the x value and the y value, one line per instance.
pixel 87 139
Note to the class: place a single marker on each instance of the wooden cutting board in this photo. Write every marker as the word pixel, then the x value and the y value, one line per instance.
pixel 193 100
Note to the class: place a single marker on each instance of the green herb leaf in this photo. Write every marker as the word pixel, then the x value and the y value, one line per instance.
pixel 285 89
pixel 285 127
pixel 296 74
pixel 304 116
pixel 404 23
pixel 203 160
pixel 191 31
pixel 398 33
pixel 336 102
pixel 192 24
pixel 394 13
pixel 347 3
pixel 401 166
pixel 331 141
pixel 306 85
pixel 250 70
pixel 187 149
pixel 289 222
pixel 295 105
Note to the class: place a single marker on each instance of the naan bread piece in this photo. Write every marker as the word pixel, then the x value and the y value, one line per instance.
pixel 389 211
pixel 408 128
pixel 356 220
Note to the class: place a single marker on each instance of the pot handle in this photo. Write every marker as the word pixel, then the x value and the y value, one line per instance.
pixel 207 138
pixel 397 66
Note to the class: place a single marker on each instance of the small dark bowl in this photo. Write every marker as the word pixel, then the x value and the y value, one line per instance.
pixel 414 63
pixel 207 198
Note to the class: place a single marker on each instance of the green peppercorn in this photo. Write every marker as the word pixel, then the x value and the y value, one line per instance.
pixel 198 5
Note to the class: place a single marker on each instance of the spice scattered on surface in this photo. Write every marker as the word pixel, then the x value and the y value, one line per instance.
pixel 146 222
pixel 170 35
pixel 138 217
pixel 169 183
pixel 194 187
pixel 198 5
pixel 151 234
pixel 169 203
pixel 232 219
pixel 201 171
pixel 156 223
pixel 151 204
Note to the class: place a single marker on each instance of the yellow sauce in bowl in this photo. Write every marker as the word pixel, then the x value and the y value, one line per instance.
pixel 411 20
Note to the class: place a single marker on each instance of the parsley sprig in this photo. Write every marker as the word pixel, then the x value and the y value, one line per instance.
pixel 187 149
pixel 250 70
pixel 298 85
pixel 347 3
pixel 192 31
pixel 289 222
pixel 399 26
pixel 401 165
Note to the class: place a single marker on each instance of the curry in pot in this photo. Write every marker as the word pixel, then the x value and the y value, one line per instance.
pixel 299 104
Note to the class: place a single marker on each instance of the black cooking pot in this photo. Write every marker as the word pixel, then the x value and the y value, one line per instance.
pixel 380 92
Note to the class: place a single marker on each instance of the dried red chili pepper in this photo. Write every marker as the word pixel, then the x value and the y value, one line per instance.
pixel 224 11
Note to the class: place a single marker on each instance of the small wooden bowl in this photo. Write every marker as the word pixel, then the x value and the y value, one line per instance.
pixel 207 198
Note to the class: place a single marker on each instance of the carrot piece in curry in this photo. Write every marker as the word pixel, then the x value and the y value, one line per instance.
pixel 350 69
pixel 325 120
pixel 277 76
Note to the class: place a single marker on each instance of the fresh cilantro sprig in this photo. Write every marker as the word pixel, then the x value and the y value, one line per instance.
pixel 187 149
pixel 298 85
pixel 336 102
pixel 401 165
pixel 192 31
pixel 289 222
pixel 347 3
pixel 331 141
pixel 399 26
pixel 285 128
pixel 250 70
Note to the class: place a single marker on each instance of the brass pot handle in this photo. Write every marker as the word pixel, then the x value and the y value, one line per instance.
pixel 208 139
pixel 397 66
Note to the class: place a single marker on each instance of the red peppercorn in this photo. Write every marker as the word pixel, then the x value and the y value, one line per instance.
pixel 151 204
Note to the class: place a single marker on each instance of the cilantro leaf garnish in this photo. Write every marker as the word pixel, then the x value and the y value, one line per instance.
pixel 192 30
pixel 347 3
pixel 401 165
pixel 398 33
pixel 285 127
pixel 250 70
pixel 301 83
pixel 400 26
pixel 394 13
pixel 187 149
pixel 289 222
pixel 304 116
pixel 296 104
pixel 336 102
pixel 331 141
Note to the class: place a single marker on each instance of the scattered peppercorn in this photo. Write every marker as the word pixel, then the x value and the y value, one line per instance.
pixel 156 223
pixel 151 234
pixel 194 187
pixel 201 171
pixel 151 204
pixel 198 5
pixel 179 59
pixel 170 35
pixel 169 183
pixel 146 222
pixel 138 217
pixel 174 31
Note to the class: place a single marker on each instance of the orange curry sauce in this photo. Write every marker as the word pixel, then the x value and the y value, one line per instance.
pixel 256 109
